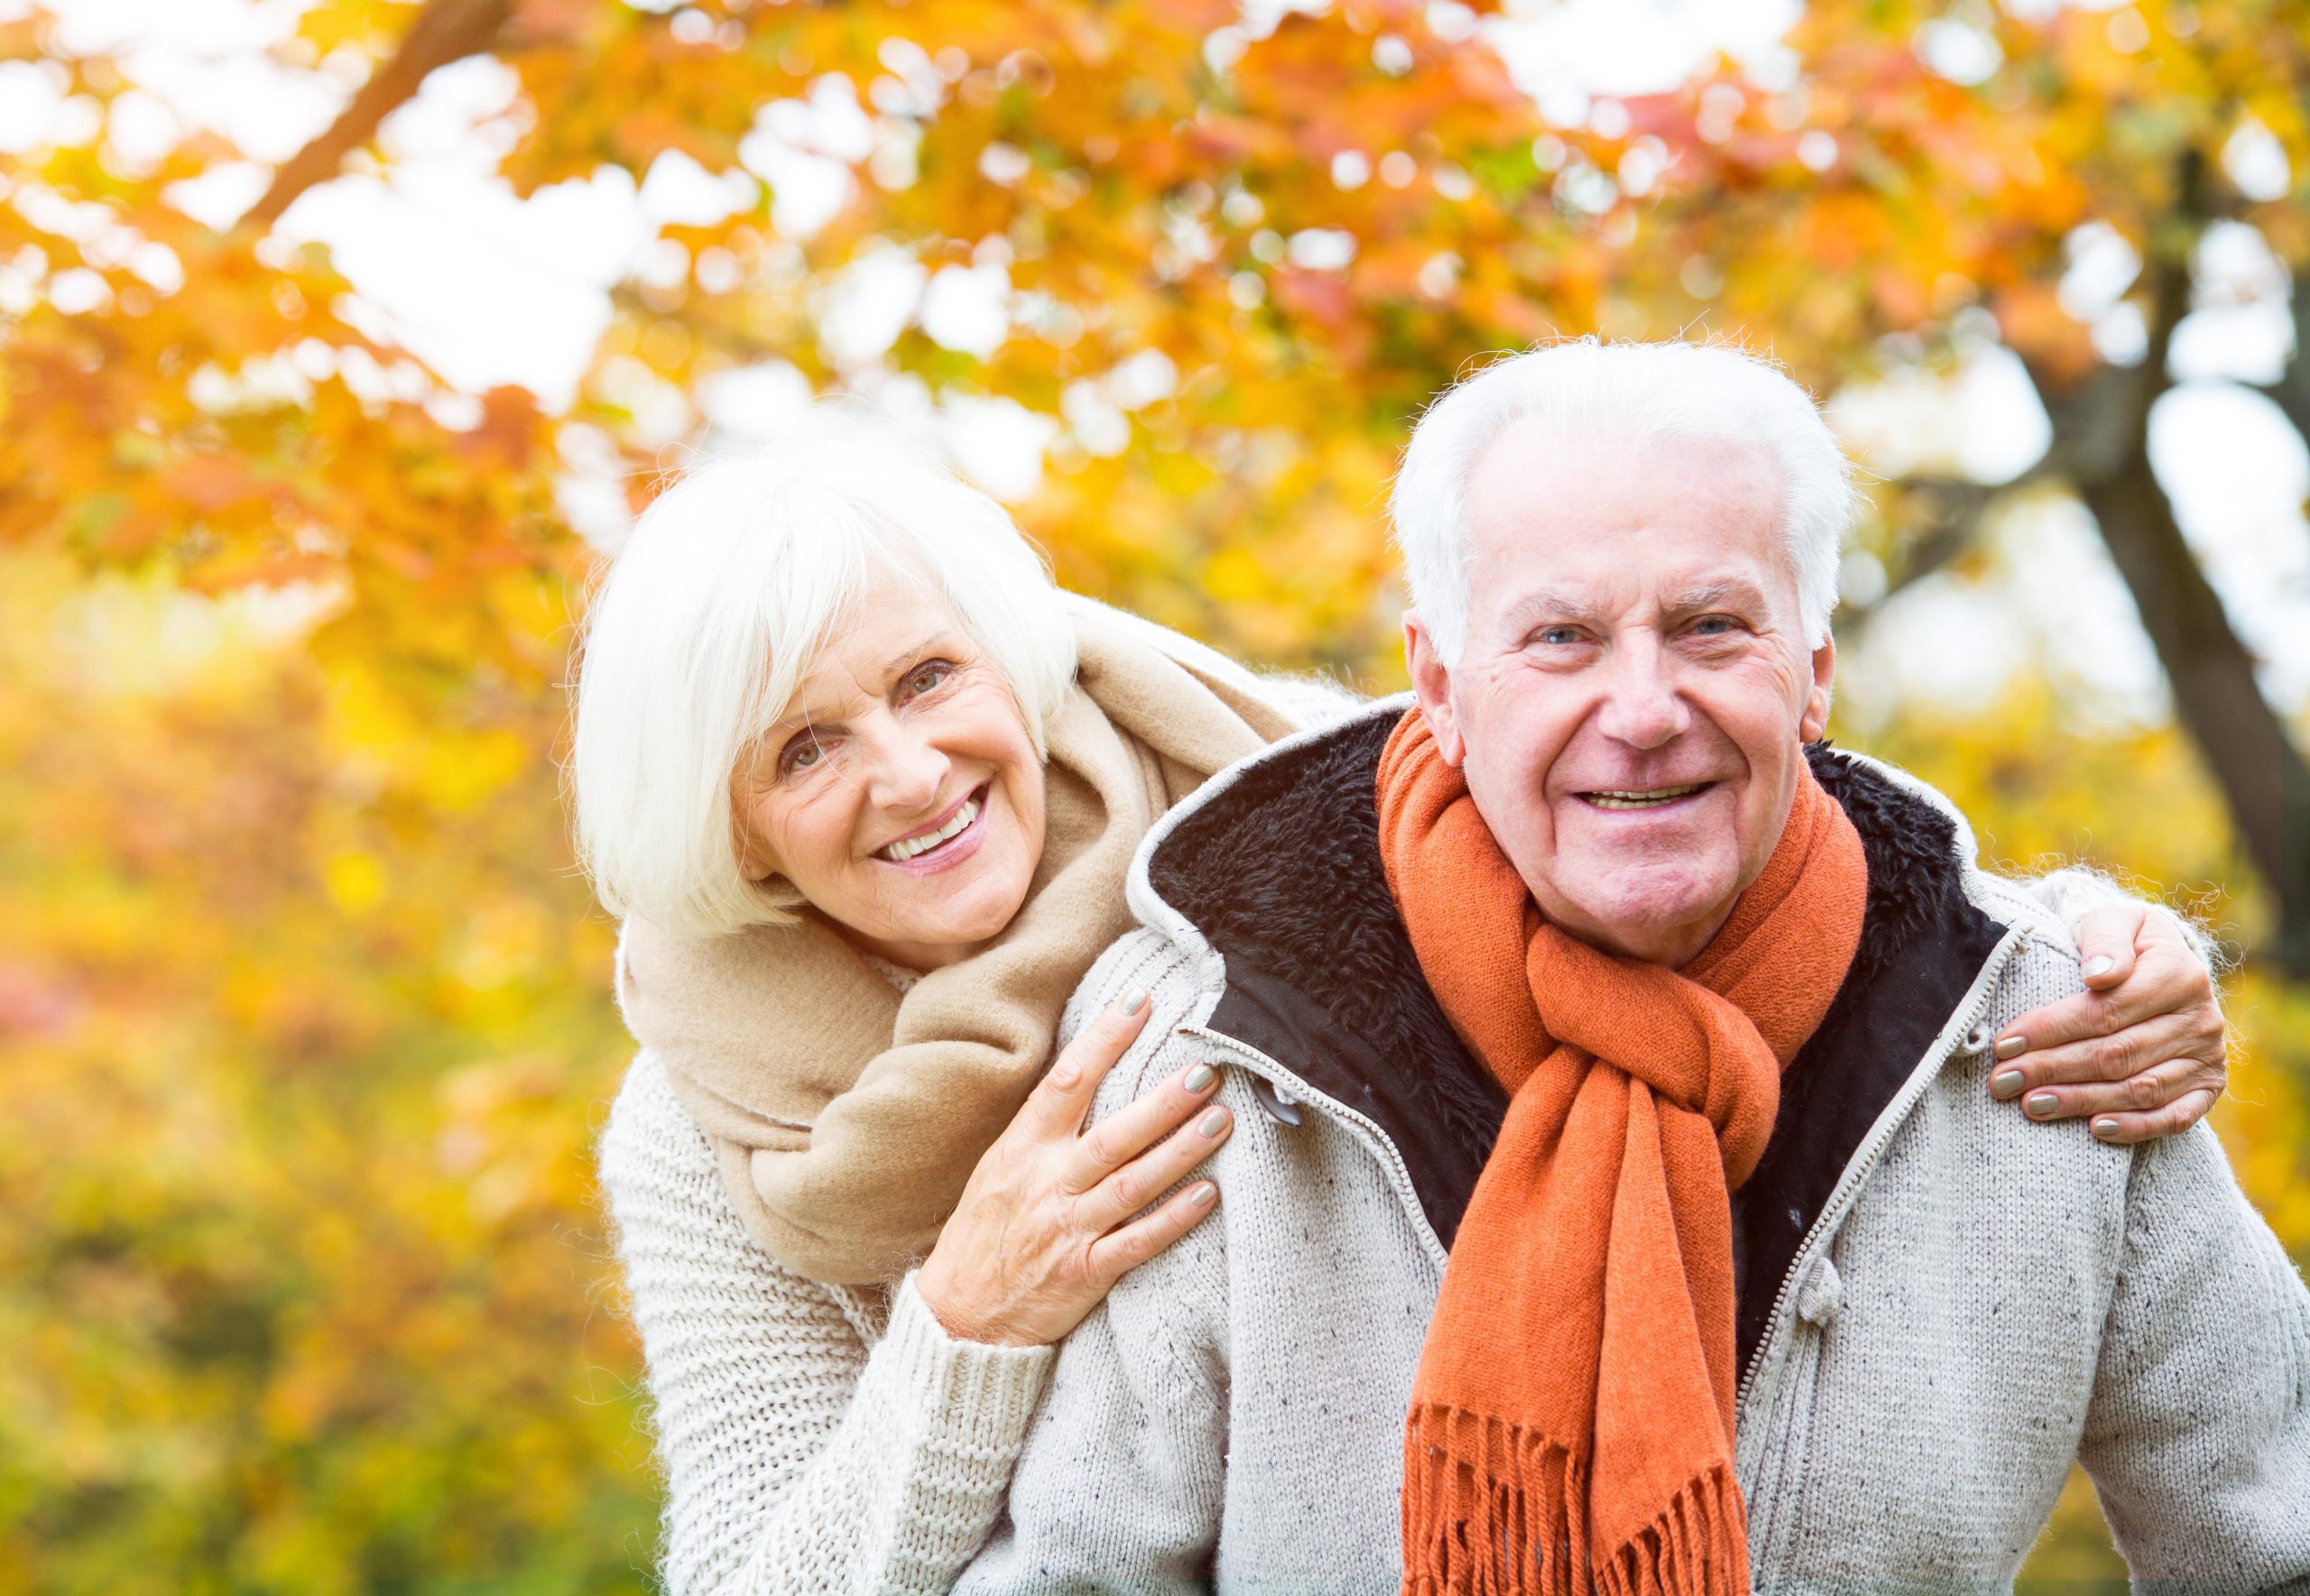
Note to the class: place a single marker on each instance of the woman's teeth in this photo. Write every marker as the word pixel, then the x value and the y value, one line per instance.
pixel 899 852
pixel 1642 800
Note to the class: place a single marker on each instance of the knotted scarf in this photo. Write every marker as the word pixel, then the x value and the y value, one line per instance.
pixel 1571 1424
pixel 845 1117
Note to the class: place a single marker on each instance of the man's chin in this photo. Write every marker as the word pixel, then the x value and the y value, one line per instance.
pixel 1633 910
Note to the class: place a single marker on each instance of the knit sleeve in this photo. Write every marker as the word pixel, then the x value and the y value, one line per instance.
pixel 800 1453
pixel 2198 1435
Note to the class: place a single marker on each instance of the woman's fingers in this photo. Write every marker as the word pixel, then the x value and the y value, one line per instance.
pixel 2164 978
pixel 2150 1054
pixel 1117 1253
pixel 1163 1165
pixel 2124 1129
pixel 2155 1088
pixel 1063 1096
pixel 2107 937
pixel 2168 1040
pixel 1130 1130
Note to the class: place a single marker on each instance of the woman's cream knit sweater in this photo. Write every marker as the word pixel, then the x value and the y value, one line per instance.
pixel 813 1439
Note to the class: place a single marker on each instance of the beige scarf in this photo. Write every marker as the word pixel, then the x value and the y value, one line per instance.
pixel 845 1117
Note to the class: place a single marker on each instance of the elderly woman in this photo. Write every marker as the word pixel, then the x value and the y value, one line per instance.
pixel 866 787
pixel 1616 1203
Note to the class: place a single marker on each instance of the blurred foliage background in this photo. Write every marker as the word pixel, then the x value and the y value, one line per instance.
pixel 304 1031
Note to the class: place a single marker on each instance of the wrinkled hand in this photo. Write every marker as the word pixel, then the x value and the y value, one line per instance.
pixel 1041 1234
pixel 2144 1050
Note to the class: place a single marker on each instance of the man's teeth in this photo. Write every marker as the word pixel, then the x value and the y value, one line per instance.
pixel 898 852
pixel 1641 800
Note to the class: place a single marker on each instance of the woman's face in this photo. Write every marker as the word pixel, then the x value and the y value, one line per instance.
pixel 901 794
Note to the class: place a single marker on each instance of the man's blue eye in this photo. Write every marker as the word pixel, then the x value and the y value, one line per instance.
pixel 1559 635
pixel 1712 625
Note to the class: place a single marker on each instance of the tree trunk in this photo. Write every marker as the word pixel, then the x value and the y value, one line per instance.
pixel 2262 773
pixel 2101 438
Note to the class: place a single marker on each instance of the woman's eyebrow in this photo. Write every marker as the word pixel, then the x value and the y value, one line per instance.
pixel 900 661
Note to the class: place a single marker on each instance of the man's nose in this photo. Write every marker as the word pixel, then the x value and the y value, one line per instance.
pixel 1641 707
pixel 905 769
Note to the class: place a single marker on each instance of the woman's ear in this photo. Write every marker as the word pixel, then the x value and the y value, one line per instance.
pixel 1431 684
pixel 756 860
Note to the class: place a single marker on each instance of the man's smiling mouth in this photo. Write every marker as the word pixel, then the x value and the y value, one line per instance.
pixel 1647 798
pixel 953 827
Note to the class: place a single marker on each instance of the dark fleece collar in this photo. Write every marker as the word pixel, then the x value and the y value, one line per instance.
pixel 1282 875
pixel 1280 872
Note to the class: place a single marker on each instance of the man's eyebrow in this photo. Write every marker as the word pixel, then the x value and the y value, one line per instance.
pixel 1706 596
pixel 1550 604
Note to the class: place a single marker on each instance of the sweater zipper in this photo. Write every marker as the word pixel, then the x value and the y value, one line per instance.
pixel 1858 1168
pixel 1390 1160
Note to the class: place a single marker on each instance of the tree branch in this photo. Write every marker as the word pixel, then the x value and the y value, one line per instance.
pixel 1948 514
pixel 446 30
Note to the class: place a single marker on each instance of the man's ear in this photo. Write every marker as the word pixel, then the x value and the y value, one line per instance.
pixel 1431 684
pixel 1816 723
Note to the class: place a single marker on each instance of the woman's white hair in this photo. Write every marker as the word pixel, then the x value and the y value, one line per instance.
pixel 711 617
pixel 1583 390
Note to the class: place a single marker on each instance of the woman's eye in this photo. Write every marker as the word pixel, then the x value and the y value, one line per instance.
pixel 801 754
pixel 927 678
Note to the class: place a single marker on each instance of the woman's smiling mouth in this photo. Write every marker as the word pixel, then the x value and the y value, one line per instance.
pixel 954 823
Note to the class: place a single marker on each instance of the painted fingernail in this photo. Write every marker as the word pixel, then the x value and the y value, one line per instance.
pixel 2005 1084
pixel 1133 1001
pixel 2042 1102
pixel 2101 964
pixel 1200 1080
pixel 1213 1123
pixel 1201 1196
pixel 2105 1128
pixel 2012 1046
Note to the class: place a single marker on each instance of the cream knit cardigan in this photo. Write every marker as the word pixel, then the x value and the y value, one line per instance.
pixel 812 1439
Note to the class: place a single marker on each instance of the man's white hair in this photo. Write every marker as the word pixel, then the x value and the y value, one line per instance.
pixel 1582 390
pixel 714 613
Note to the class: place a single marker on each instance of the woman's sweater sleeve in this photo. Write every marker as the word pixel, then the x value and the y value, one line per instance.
pixel 797 1456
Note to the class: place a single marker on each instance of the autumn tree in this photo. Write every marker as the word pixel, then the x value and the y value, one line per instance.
pixel 301 1000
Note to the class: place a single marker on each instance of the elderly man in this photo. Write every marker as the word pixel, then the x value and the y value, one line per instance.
pixel 1618 1203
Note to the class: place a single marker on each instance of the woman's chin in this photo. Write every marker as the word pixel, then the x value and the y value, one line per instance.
pixel 958 915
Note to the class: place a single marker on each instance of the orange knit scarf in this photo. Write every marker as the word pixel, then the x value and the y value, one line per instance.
pixel 1571 1425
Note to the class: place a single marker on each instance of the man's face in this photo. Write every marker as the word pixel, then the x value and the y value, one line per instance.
pixel 1636 686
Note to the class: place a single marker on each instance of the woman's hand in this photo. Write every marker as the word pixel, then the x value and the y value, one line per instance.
pixel 1039 1236
pixel 2144 1050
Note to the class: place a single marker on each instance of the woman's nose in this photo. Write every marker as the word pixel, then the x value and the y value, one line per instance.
pixel 905 769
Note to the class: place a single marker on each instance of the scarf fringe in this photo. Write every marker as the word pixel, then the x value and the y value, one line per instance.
pixel 1698 1546
pixel 1492 1508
